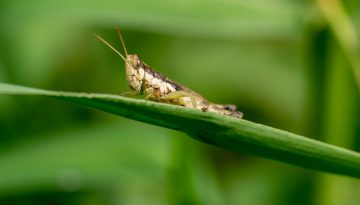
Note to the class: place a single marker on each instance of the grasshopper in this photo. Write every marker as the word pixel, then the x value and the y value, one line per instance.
pixel 144 80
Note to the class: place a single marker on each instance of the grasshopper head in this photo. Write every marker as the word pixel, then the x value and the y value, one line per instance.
pixel 133 61
pixel 134 69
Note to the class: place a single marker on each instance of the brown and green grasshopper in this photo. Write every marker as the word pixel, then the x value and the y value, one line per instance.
pixel 155 86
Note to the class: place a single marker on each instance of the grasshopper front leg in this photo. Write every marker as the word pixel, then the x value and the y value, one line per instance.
pixel 140 90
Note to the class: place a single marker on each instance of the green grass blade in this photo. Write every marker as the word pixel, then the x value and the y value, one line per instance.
pixel 219 130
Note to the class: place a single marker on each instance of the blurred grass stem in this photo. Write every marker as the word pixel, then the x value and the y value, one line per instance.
pixel 344 31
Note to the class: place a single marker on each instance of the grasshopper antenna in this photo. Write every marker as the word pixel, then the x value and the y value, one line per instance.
pixel 108 44
pixel 122 41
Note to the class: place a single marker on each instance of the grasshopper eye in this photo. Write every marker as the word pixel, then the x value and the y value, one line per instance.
pixel 138 62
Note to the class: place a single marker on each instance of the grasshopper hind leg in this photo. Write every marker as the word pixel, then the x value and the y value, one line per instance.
pixel 177 95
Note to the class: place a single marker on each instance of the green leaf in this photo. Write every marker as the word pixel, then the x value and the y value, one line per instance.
pixel 222 131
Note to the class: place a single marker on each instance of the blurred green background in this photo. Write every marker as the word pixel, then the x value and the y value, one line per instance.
pixel 279 61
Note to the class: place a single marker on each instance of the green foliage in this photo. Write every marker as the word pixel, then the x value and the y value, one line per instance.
pixel 287 64
pixel 222 131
